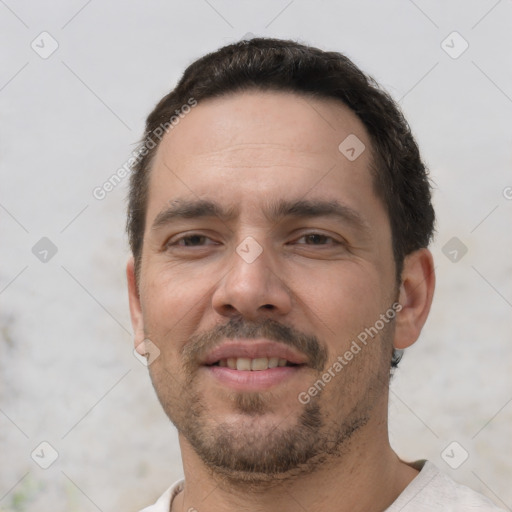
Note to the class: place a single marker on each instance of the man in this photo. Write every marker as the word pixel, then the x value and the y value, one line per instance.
pixel 279 218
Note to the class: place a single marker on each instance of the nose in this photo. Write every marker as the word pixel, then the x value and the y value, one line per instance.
pixel 252 287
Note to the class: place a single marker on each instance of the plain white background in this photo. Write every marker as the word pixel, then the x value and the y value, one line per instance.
pixel 70 120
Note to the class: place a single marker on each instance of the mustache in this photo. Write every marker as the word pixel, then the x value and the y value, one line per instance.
pixel 199 345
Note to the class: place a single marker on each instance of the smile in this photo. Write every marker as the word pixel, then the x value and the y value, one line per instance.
pixel 257 364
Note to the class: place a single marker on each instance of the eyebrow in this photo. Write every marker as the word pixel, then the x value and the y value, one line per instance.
pixel 316 208
pixel 186 209
pixel 274 211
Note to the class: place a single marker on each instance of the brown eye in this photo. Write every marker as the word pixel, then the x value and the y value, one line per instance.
pixel 316 239
pixel 193 240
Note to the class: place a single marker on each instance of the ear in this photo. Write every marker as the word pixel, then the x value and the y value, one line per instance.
pixel 416 293
pixel 135 308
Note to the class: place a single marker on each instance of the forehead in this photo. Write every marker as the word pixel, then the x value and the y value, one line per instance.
pixel 258 143
pixel 280 119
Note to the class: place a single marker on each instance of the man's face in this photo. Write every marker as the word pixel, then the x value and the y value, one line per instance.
pixel 274 247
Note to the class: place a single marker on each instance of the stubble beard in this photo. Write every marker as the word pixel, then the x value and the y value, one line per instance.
pixel 256 452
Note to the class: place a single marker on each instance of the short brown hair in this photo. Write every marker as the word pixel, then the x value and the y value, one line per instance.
pixel 400 177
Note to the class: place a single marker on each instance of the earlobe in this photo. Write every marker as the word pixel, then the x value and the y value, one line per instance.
pixel 135 307
pixel 416 293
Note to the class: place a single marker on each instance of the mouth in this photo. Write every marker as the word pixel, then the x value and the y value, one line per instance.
pixel 253 365
pixel 252 380
pixel 256 365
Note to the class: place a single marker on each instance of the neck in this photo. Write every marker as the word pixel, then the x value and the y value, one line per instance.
pixel 368 477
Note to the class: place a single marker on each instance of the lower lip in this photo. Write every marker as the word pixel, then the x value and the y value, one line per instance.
pixel 252 380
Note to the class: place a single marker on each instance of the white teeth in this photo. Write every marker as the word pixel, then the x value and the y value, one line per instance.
pixel 260 363
pixel 243 363
pixel 273 362
pixel 257 364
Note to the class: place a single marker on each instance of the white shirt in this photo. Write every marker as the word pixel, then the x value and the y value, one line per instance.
pixel 430 491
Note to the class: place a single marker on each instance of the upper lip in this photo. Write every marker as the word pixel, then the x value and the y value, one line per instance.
pixel 253 349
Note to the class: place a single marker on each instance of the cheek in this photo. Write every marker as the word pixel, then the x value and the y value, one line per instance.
pixel 173 307
pixel 342 296
pixel 338 305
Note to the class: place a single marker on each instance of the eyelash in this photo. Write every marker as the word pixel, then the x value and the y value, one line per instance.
pixel 320 235
pixel 186 237
pixel 176 242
